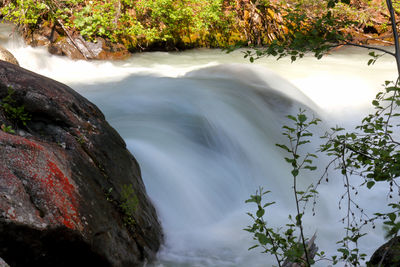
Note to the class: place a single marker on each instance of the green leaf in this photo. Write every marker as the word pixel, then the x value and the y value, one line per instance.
pixel 311 168
pixel 302 118
pixel 262 238
pixel 254 198
pixel 344 251
pixel 289 160
pixel 288 128
pixel 295 172
pixel 304 142
pixel 255 246
pixel 283 147
pixel 298 219
pixel 260 213
pixel 269 204
pixel 292 118
pixel 370 184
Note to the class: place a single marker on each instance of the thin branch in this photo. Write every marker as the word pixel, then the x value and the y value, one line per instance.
pixel 371 47
pixel 349 147
pixel 347 193
pixel 392 102
pixel 275 247
pixel 65 29
pixel 298 218
pixel 72 39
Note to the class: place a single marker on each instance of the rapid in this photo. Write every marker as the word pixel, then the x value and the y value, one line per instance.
pixel 203 126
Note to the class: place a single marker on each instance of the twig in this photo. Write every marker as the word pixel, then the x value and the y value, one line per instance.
pixel 66 31
pixel 298 218
pixel 72 40
pixel 371 47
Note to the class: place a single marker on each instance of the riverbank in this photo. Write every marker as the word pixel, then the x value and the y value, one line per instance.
pixel 113 30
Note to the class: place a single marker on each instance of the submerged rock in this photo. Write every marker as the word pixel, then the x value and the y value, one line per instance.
pixel 70 191
pixel 6 55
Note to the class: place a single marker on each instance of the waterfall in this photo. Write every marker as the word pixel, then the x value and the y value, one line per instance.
pixel 205 142
pixel 204 132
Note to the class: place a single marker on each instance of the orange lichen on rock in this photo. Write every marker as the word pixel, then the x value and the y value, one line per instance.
pixel 41 174
pixel 63 195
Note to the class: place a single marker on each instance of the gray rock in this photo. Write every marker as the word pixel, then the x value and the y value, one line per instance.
pixel 5 55
pixel 388 255
pixel 70 191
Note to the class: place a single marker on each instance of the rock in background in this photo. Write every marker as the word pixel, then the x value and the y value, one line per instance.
pixel 6 55
pixel 60 42
pixel 70 191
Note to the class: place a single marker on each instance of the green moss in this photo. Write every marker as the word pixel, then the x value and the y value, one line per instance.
pixel 129 203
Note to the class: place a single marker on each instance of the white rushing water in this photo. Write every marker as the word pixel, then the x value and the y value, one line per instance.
pixel 203 125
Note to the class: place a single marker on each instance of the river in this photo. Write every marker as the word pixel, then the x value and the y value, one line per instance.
pixel 203 126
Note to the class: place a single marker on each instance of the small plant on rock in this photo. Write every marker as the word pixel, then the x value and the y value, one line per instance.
pixel 129 203
pixel 13 110
pixel 7 129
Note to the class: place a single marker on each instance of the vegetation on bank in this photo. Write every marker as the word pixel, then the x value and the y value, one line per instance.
pixel 178 24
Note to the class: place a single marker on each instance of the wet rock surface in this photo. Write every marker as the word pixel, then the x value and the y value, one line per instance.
pixel 67 181
pixel 388 255
pixel 73 45
pixel 6 55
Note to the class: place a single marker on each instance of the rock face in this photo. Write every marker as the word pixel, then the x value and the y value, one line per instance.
pixel 70 192
pixel 388 255
pixel 7 56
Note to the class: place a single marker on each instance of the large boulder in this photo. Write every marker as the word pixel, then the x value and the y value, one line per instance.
pixel 70 191
pixel 388 255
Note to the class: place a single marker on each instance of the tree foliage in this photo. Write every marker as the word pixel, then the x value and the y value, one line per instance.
pixel 371 152
pixel 133 23
pixel 283 244
pixel 170 24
